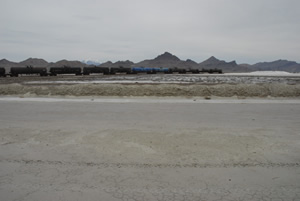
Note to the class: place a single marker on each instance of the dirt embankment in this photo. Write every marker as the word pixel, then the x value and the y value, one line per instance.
pixel 221 90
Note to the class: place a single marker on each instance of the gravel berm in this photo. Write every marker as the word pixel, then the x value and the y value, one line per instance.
pixel 220 90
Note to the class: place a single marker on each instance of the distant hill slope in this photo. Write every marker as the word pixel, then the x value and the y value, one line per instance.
pixel 190 64
pixel 90 62
pixel 7 64
pixel 106 64
pixel 232 66
pixel 125 64
pixel 164 60
pixel 62 63
pixel 279 65
pixel 34 62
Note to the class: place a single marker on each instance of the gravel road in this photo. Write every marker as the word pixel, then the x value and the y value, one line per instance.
pixel 149 149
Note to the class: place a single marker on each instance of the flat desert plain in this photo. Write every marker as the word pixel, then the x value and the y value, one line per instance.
pixel 149 149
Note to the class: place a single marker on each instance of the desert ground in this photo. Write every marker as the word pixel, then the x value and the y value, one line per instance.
pixel 274 84
pixel 86 146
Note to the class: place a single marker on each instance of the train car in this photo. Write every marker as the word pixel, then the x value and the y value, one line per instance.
pixel 136 70
pixel 148 70
pixel 114 70
pixel 211 71
pixel 28 70
pixel 162 70
pixel 91 70
pixel 167 70
pixel 65 70
pixel 2 72
pixel 180 70
pixel 193 71
pixel 217 71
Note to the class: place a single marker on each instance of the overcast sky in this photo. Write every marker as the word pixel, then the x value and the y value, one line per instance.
pixel 247 31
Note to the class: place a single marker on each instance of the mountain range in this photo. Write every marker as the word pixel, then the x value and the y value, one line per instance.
pixel 40 63
pixel 167 60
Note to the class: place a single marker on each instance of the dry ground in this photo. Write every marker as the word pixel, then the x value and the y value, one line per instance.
pixel 154 85
pixel 149 149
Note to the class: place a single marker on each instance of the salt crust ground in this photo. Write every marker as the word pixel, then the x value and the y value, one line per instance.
pixel 164 149
pixel 256 84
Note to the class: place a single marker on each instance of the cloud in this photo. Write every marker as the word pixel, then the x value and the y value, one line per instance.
pixel 249 31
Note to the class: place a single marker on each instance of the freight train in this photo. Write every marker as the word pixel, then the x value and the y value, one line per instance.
pixel 2 72
pixel 54 71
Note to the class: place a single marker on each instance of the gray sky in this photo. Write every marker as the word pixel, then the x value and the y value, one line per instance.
pixel 247 31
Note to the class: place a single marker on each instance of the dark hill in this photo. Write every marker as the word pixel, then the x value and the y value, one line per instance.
pixel 164 60
pixel 7 64
pixel 34 62
pixel 125 64
pixel 279 65
pixel 106 64
pixel 62 63
pixel 213 62
pixel 189 64
pixel 167 57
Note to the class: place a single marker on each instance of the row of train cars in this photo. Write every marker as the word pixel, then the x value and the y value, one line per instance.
pixel 29 70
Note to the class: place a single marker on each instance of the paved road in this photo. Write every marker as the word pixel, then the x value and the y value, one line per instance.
pixel 149 149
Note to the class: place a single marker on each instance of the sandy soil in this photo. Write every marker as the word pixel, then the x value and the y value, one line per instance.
pixel 160 149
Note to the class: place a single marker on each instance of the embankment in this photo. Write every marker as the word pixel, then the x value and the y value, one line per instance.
pixel 220 90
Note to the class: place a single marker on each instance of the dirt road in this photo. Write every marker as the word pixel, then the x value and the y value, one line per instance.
pixel 149 149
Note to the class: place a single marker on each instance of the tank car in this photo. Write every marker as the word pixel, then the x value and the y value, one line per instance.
pixel 179 70
pixel 2 72
pixel 28 70
pixel 91 70
pixel 148 70
pixel 65 70
pixel 115 70
pixel 136 70
pixel 194 71
pixel 211 71
pixel 162 70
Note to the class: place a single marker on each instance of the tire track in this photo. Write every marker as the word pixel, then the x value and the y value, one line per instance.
pixel 147 165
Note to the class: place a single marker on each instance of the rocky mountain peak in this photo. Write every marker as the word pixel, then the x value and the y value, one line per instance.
pixel 126 63
pixel 34 62
pixel 4 61
pixel 167 56
pixel 190 61
pixel 213 59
